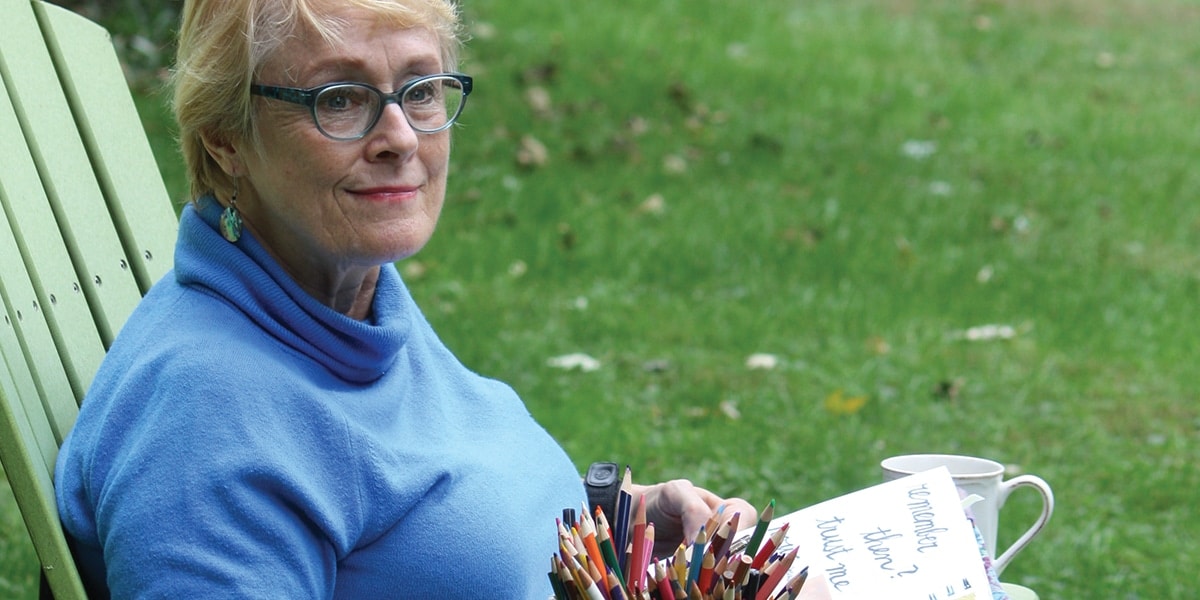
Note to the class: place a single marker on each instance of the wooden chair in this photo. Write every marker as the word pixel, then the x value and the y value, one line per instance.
pixel 86 228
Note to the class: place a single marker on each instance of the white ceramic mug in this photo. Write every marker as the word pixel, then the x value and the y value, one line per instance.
pixel 984 478
pixel 1018 592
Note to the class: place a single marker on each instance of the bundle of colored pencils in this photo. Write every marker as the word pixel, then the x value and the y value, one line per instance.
pixel 713 566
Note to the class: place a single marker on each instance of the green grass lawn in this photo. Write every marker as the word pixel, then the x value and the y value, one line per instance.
pixel 672 186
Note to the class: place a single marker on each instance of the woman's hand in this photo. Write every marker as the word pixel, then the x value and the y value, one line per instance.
pixel 678 509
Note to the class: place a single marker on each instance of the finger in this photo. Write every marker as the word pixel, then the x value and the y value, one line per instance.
pixel 732 505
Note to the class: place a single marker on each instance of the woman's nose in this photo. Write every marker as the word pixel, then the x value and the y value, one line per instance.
pixel 394 131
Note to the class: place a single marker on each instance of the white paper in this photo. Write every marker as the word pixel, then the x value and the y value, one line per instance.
pixel 906 539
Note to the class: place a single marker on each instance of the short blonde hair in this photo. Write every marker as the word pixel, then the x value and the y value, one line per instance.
pixel 224 43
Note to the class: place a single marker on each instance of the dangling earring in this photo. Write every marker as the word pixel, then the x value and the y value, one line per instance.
pixel 231 220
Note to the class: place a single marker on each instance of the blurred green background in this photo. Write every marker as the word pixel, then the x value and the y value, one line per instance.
pixel 799 236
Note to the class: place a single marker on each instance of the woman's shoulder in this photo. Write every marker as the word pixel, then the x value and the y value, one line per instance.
pixel 186 350
pixel 183 324
pixel 187 363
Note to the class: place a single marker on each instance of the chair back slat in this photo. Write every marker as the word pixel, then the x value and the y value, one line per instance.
pixel 86 228
pixel 37 278
pixel 101 268
pixel 95 88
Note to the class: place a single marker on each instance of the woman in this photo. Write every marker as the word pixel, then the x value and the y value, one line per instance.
pixel 277 418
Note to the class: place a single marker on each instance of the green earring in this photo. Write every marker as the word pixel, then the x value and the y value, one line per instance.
pixel 231 221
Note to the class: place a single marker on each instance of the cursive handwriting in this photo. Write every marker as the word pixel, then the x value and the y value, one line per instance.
pixel 924 528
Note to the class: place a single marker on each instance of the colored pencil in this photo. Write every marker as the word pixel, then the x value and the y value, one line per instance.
pixel 741 569
pixel 775 574
pixel 587 530
pixel 698 548
pixel 733 523
pixel 715 520
pixel 679 563
pixel 710 566
pixel 616 587
pixel 717 544
pixel 620 521
pixel 663 582
pixel 647 554
pixel 606 545
pixel 635 574
pixel 768 548
pixel 705 580
pixel 589 586
pixel 760 529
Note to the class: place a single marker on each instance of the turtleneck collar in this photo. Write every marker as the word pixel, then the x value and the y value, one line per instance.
pixel 249 278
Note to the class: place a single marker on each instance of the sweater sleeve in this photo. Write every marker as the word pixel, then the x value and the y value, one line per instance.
pixel 217 495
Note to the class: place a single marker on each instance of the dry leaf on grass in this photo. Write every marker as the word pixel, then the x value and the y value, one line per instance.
pixel 654 204
pixel 575 361
pixel 986 333
pixel 918 149
pixel 730 409
pixel 839 403
pixel 762 361
pixel 532 153
pixel 538 99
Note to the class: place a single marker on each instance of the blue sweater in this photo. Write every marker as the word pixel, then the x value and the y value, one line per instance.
pixel 242 440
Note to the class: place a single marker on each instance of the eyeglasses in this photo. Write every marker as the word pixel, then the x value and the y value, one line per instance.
pixel 348 111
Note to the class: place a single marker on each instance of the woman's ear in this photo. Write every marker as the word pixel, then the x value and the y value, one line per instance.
pixel 226 153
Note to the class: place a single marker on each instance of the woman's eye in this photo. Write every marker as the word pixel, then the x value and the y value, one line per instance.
pixel 342 98
pixel 421 94
pixel 336 101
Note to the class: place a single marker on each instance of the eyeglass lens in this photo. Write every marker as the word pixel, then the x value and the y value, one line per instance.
pixel 350 110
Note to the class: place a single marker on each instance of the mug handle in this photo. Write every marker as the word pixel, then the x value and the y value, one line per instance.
pixel 1007 488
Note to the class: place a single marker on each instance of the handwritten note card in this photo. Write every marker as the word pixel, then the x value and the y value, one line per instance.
pixel 907 539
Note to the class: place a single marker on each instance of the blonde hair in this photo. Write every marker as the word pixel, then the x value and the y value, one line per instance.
pixel 224 43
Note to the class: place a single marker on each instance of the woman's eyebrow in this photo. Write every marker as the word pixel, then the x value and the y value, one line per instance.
pixel 324 71
pixel 344 68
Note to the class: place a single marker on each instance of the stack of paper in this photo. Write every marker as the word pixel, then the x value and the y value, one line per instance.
pixel 905 539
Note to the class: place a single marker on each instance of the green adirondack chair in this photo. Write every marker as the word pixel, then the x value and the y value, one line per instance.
pixel 86 228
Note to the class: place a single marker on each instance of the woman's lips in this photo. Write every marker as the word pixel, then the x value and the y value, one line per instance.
pixel 387 193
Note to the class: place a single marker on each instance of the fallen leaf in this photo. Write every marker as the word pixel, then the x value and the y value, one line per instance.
pixel 532 153
pixel 638 126
pixel 674 164
pixel 940 188
pixel 653 205
pixel 414 269
pixel 983 333
pixel 762 361
pixel 840 404
pixel 918 149
pixel 575 361
pixel 730 409
pixel 539 100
